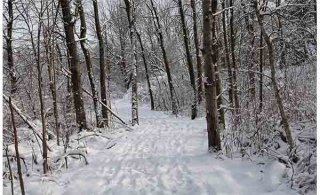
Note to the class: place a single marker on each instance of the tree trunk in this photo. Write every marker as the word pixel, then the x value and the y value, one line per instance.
pixel 261 73
pixel 69 96
pixel 189 61
pixel 10 171
pixel 13 78
pixel 75 66
pixel 42 106
pixel 49 44
pixel 103 87
pixel 130 9
pixel 165 58
pixel 16 148
pixel 234 65
pixel 198 57
pixel 249 18
pixel 146 69
pixel 214 143
pixel 230 90
pixel 282 63
pixel 123 65
pixel 274 80
pixel 315 11
pixel 52 83
pixel 215 54
pixel 83 32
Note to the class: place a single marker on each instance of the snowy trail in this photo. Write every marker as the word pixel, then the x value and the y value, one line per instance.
pixel 163 155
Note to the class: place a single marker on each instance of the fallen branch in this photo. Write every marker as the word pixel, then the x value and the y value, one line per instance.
pixel 71 153
pixel 129 128
pixel 114 114
pixel 111 146
pixel 94 134
pixel 67 74
pixel 25 119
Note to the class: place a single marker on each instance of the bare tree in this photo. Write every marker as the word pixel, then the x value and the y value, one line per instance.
pixel 196 43
pixel 249 18
pixel 16 148
pixel 189 61
pixel 36 47
pixel 130 9
pixel 74 65
pixel 210 84
pixel 103 87
pixel 49 43
pixel 227 55
pixel 157 24
pixel 273 77
pixel 234 65
pixel 215 54
pixel 146 69
pixel 10 171
pixel 8 39
pixel 83 32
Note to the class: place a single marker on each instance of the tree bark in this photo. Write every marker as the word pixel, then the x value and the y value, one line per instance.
pixel 165 58
pixel 234 65
pixel 12 73
pixel 215 54
pixel 249 18
pixel 40 86
pixel 189 61
pixel 10 171
pixel 52 83
pixel 130 9
pixel 198 57
pixel 49 44
pixel 103 87
pixel 16 148
pixel 123 64
pixel 75 66
pixel 214 143
pixel 261 73
pixel 83 32
pixel 227 56
pixel 274 80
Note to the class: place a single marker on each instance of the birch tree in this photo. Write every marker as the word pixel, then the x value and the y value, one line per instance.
pixel 130 9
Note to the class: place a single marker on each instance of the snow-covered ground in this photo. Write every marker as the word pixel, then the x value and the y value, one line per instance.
pixel 163 155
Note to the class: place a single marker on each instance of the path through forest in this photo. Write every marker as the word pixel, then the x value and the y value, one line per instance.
pixel 163 155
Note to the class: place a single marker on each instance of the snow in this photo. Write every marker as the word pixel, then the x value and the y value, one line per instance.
pixel 163 155
pixel 274 175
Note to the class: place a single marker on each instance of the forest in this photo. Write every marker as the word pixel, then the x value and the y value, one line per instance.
pixel 210 97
